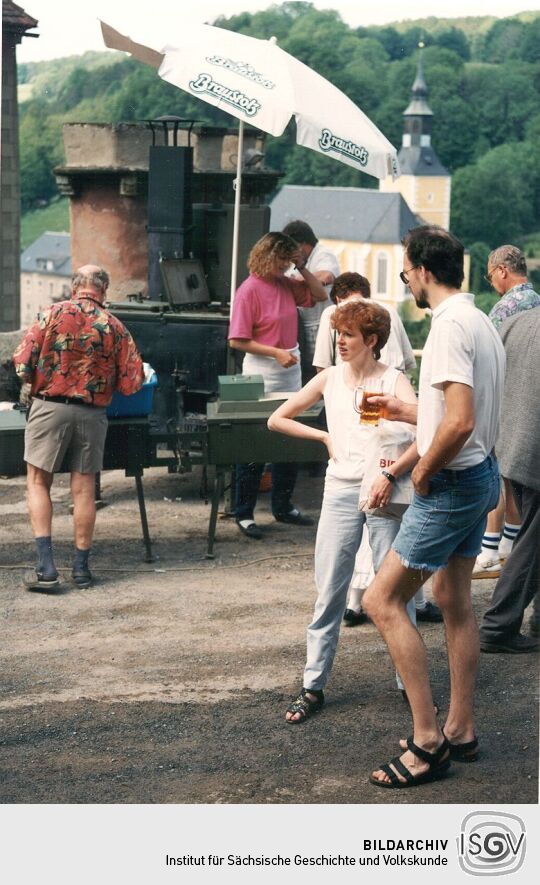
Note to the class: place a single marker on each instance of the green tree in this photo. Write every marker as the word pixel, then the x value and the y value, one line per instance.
pixel 40 152
pixel 530 47
pixel 479 255
pixel 504 40
pixel 504 98
pixel 494 200
pixel 456 41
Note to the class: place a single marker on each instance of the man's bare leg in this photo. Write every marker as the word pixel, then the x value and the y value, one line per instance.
pixel 38 496
pixel 84 508
pixel 385 602
pixel 511 514
pixel 452 590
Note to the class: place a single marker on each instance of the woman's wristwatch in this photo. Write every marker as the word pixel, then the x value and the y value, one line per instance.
pixel 389 476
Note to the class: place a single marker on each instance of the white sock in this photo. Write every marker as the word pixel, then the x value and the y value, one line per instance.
pixel 490 544
pixel 355 598
pixel 510 531
pixel 507 541
pixel 420 600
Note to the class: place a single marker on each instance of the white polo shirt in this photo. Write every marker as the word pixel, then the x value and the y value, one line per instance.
pixel 397 351
pixel 320 259
pixel 462 346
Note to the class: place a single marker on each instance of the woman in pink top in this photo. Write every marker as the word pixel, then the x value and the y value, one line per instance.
pixel 264 324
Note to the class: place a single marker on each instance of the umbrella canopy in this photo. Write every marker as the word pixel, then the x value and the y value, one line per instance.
pixel 261 84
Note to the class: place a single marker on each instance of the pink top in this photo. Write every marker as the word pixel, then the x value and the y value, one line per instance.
pixel 265 310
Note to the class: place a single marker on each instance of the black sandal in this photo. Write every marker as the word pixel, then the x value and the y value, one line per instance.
pixel 467 752
pixel 437 768
pixel 305 706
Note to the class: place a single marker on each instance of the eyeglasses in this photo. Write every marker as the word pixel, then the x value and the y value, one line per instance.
pixel 488 276
pixel 403 274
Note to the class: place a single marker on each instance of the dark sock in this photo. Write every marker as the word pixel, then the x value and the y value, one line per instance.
pixel 80 563
pixel 45 562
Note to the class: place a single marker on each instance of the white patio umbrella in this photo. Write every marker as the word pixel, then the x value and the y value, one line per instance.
pixel 261 84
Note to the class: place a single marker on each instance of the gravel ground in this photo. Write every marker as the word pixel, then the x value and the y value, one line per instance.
pixel 167 682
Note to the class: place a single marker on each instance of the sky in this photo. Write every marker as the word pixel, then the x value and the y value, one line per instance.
pixel 68 28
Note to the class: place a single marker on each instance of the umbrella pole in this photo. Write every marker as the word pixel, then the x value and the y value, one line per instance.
pixel 237 201
pixel 236 226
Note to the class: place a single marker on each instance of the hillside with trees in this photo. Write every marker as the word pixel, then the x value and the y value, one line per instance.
pixel 483 76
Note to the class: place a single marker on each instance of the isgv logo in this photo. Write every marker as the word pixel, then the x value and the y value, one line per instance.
pixel 491 843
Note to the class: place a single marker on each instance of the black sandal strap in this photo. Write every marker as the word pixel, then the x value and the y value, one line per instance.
pixel 399 766
pixel 464 748
pixel 432 759
pixel 390 773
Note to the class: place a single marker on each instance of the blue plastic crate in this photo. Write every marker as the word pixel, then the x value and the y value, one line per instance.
pixel 136 405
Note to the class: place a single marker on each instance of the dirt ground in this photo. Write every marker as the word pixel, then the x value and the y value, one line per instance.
pixel 167 682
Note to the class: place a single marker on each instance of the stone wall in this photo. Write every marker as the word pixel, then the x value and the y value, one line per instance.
pixel 10 211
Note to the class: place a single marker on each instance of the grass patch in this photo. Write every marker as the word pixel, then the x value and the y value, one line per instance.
pixel 54 217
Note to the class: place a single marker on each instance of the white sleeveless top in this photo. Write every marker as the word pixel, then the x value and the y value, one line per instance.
pixel 349 437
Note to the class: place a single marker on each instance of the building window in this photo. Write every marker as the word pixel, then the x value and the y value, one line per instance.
pixel 382 273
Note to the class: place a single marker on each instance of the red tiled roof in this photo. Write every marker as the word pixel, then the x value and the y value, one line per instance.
pixel 14 17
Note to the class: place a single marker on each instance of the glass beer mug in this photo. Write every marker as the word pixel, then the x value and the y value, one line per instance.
pixel 370 413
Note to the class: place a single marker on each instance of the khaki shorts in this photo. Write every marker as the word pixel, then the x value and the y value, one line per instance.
pixel 61 433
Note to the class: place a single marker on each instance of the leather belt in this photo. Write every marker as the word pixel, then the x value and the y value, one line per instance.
pixel 65 400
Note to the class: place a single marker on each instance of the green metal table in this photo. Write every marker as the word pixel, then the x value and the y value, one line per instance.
pixel 238 434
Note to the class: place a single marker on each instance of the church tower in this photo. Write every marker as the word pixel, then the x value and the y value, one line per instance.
pixel 424 181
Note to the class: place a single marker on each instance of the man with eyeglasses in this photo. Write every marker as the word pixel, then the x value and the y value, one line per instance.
pixel 507 274
pixel 456 484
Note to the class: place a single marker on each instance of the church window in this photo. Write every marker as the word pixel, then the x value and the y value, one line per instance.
pixel 382 273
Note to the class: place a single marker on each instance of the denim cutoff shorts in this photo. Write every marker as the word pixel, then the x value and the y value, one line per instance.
pixel 451 519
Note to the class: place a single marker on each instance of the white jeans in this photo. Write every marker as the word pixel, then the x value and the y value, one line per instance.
pixel 338 538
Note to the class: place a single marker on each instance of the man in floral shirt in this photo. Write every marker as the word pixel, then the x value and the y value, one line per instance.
pixel 75 357
pixel 507 273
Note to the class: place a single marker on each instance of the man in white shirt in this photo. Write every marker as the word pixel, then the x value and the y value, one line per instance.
pixel 323 264
pixel 397 352
pixel 456 483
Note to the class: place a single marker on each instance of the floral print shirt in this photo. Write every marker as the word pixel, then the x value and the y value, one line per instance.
pixel 520 297
pixel 79 350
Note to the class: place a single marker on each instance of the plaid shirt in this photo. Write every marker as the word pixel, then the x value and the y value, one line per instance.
pixel 79 350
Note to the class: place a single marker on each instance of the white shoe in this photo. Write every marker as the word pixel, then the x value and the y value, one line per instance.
pixel 487 565
pixel 505 548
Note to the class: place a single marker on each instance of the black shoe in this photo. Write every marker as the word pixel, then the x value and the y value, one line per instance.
pixel 353 619
pixel 251 530
pixel 82 578
pixel 534 628
pixel 41 581
pixel 513 645
pixel 294 517
pixel 430 613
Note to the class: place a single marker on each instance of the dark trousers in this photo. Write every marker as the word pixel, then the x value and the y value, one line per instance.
pixel 248 477
pixel 520 578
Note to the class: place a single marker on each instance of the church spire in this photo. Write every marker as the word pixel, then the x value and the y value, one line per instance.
pixel 417 156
